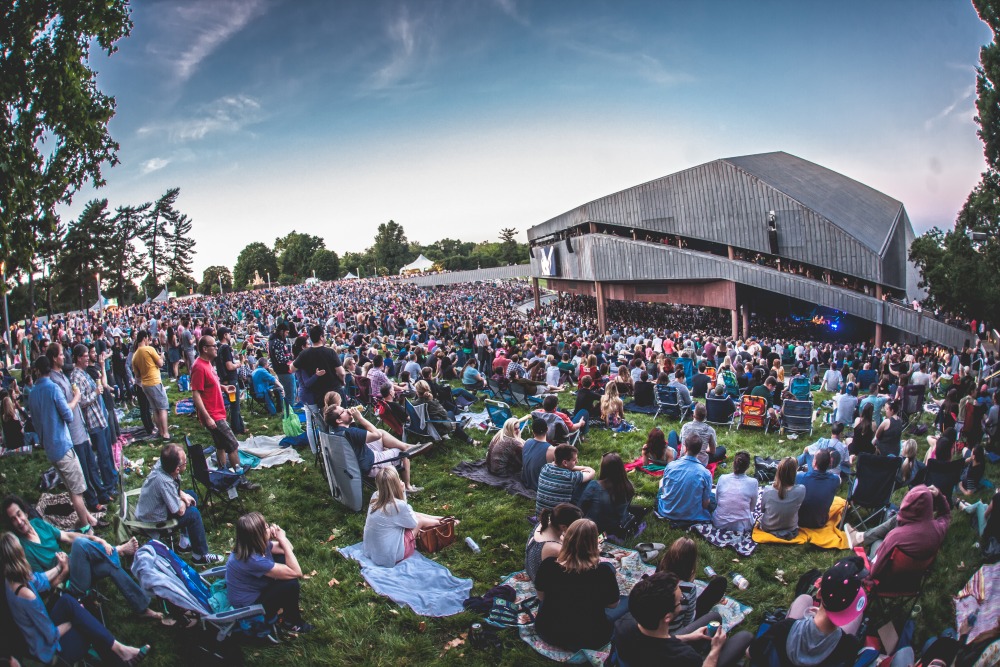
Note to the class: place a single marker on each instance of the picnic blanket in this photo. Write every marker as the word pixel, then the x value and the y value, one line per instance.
pixel 426 587
pixel 478 472
pixel 268 449
pixel 740 542
pixel 645 410
pixel 651 469
pixel 57 510
pixel 827 537
pixel 630 569
pixel 977 605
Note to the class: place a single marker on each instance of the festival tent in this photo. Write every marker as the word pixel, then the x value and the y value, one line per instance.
pixel 162 296
pixel 349 276
pixel 421 263
pixel 101 303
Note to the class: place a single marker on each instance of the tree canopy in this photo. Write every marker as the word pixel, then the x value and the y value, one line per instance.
pixel 255 257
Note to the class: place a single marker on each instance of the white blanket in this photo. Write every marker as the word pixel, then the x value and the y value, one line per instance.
pixel 271 454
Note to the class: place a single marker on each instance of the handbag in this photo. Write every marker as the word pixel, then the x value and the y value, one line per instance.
pixel 765 469
pixel 435 538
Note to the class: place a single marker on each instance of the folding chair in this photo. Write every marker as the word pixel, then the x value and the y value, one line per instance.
pixel 711 373
pixel 902 583
pixel 558 432
pixel 872 488
pixel 364 396
pixel 912 407
pixel 212 484
pixel 720 412
pixel 800 389
pixel 420 424
pixel 668 402
pixel 732 385
pixel 688 367
pixel 521 397
pixel 389 419
pixel 255 402
pixel 344 474
pixel 944 475
pixel 797 416
pixel 499 413
pixel 127 502
pixel 753 412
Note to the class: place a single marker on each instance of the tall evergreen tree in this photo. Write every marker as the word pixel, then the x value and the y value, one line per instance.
pixel 161 213
pixel 179 251
pixel 122 261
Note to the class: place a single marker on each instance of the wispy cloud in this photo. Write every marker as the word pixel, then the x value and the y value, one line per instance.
pixel 154 164
pixel 957 105
pixel 410 43
pixel 509 7
pixel 192 31
pixel 226 115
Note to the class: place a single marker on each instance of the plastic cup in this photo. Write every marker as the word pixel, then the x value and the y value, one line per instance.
pixel 232 396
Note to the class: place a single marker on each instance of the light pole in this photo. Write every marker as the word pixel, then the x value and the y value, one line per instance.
pixel 100 297
pixel 6 315
pixel 268 280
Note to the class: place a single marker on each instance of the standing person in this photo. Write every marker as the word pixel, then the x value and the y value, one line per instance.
pixel 147 364
pixel 228 366
pixel 94 417
pixel 211 410
pixel 186 335
pixel 51 414
pixel 483 351
pixel 281 358
pixel 324 363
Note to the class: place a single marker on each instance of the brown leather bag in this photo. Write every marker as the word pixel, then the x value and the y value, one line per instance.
pixel 435 538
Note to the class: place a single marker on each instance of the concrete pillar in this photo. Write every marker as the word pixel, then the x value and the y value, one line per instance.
pixel 746 322
pixel 732 253
pixel 534 289
pixel 679 244
pixel 593 228
pixel 602 316
pixel 878 334
pixel 736 323
pixel 878 292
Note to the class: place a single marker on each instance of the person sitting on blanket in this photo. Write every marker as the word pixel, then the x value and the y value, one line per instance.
pixel 536 453
pixel 553 416
pixel 561 481
pixel 605 500
pixel 263 569
pixel 918 530
pixel 681 560
pixel 372 446
pixel 685 494
pixel 780 502
pixel 504 457
pixel 65 628
pixel 821 487
pixel 612 407
pixel 643 392
pixel 841 456
pixel 656 451
pixel 710 451
pixel 588 400
pixel 546 537
pixel 576 589
pixel 91 558
pixel 736 495
pixel 390 534
pixel 643 638
pixel 444 421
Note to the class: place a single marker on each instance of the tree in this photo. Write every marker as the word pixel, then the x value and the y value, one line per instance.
pixel 326 264
pixel 161 213
pixel 390 250
pixel 54 132
pixel 83 250
pixel 211 277
pixel 510 250
pixel 255 258
pixel 180 251
pixel 122 261
pixel 356 262
pixel 295 251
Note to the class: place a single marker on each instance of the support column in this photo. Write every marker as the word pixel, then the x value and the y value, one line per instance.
pixel 746 322
pixel 736 324
pixel 602 316
pixel 878 334
pixel 732 253
pixel 593 228
pixel 534 289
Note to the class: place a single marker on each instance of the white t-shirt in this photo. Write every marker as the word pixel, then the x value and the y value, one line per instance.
pixel 383 536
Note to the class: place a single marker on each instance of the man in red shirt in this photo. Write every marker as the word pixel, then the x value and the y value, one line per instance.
pixel 211 408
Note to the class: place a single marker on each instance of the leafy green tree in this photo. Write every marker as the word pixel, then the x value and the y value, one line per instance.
pixel 210 278
pixel 295 251
pixel 326 264
pixel 358 263
pixel 391 249
pixel 54 130
pixel 123 263
pixel 161 213
pixel 254 258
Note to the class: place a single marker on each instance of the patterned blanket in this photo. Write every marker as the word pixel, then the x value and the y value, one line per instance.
pixel 977 605
pixel 629 568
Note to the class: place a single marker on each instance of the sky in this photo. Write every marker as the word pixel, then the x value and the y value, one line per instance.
pixel 459 118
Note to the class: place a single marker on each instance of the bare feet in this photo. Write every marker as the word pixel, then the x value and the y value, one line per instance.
pixel 128 548
pixel 149 614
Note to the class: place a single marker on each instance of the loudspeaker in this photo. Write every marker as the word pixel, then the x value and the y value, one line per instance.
pixel 569 245
pixel 772 238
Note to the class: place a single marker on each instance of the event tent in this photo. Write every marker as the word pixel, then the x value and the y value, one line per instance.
pixel 421 263
pixel 349 276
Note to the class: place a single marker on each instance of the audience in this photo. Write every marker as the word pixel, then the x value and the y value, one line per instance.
pixel 685 495
pixel 537 452
pixel 546 537
pixel 820 489
pixel 561 481
pixel 736 495
pixel 606 500
pixel 780 502
pixel 504 457
pixel 391 525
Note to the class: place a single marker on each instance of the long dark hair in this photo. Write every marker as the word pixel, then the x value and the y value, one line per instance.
pixel 656 444
pixel 562 514
pixel 867 414
pixel 613 479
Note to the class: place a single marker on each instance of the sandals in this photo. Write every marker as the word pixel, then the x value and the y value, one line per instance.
pixel 143 652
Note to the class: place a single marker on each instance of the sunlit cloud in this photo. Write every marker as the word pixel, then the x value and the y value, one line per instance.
pixel 226 115
pixel 154 164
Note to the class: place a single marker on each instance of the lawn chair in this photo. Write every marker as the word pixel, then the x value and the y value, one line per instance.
pixel 390 419
pixel 944 384
pixel 871 489
pixel 420 424
pixel 711 373
pixel 343 472
pixel 912 406
pixel 558 432
pixel 797 416
pixel 668 402
pixel 212 484
pixel 732 385
pixel 897 590
pixel 521 397
pixel 944 475
pixel 499 413
pixel 127 502
pixel 688 367
pixel 720 412
pixel 364 396
pixel 800 389
pixel 753 413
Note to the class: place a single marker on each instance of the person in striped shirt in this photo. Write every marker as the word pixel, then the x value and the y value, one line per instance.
pixel 563 480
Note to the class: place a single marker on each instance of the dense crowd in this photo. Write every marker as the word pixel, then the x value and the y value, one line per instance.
pixel 336 347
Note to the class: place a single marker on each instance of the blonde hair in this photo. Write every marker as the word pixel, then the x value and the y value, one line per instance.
pixel 909 455
pixel 9 413
pixel 611 404
pixel 389 489
pixel 251 536
pixel 579 552
pixel 331 398
pixel 15 564
pixel 424 390
pixel 511 429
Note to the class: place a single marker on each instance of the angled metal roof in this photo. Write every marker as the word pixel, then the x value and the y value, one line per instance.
pixel 863 212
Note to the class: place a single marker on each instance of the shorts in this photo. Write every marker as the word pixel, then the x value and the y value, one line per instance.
pixel 382 457
pixel 223 437
pixel 71 473
pixel 409 543
pixel 157 397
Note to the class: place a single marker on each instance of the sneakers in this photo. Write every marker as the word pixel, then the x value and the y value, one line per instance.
pixel 247 485
pixel 297 629
pixel 855 538
pixel 208 559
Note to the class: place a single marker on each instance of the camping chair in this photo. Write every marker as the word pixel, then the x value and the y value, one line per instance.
pixel 499 413
pixel 797 416
pixel 944 384
pixel 668 402
pixel 732 385
pixel 255 401
pixel 872 488
pixel 213 484
pixel 800 389
pixel 945 475
pixel 711 372
pixel 688 367
pixel 558 432
pixel 389 419
pixel 720 412
pixel 364 396
pixel 902 583
pixel 912 407
pixel 753 412
pixel 343 472
pixel 127 502
pixel 420 424
pixel 521 397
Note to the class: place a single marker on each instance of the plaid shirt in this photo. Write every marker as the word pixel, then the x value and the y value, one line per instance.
pixel 90 401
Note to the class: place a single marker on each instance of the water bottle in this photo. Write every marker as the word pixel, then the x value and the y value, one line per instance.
pixel 471 543
pixel 740 581
pixel 709 571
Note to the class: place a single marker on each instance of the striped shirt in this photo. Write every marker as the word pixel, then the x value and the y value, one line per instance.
pixel 556 485
pixel 90 401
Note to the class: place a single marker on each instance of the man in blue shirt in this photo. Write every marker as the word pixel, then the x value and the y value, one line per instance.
pixel 685 494
pixel 821 486
pixel 50 414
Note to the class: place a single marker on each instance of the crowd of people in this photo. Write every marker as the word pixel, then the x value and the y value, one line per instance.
pixel 328 346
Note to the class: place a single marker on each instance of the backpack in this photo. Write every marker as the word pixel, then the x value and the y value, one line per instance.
pixel 765 469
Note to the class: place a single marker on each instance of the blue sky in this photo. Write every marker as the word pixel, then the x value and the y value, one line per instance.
pixel 459 118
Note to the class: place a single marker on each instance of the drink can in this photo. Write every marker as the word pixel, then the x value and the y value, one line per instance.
pixel 740 581
pixel 712 628
pixel 471 543
pixel 709 572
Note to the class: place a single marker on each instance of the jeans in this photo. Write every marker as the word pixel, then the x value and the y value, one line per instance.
pixel 144 413
pixel 105 460
pixel 235 416
pixel 89 561
pixel 313 419
pixel 287 381
pixel 978 512
pixel 614 613
pixel 584 415
pixel 192 523
pixel 281 595
pixel 95 493
pixel 86 631
pixel 464 393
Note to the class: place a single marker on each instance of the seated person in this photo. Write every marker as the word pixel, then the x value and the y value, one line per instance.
pixel 840 456
pixel 643 392
pixel 161 498
pixel 730 406
pixel 681 560
pixel 831 379
pixel 66 630
pixel 91 558
pixel 975 468
pixel 941 447
pixel 605 500
pixel 657 451
pixel 710 451
pixel 263 569
pixel 561 481
pixel 536 453
pixel 546 536
pixel 391 525
pixel 685 494
pixel 736 495
pixel 911 472
pixel 612 407
pixel 373 447
pixel 683 395
pixel 575 588
pixel 567 368
pixel 780 502
pixel 587 400
pixel 821 486
pixel 643 637
pixel 266 387
pixel 552 416
pixel 766 391
pixel 472 379
pixel 700 382
pixel 444 421
pixel 505 454
pixel 846 404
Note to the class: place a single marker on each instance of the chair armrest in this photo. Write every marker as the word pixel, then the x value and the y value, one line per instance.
pixel 168 524
pixel 217 571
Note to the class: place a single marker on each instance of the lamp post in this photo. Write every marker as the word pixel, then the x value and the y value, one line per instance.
pixel 268 280
pixel 100 297
pixel 6 315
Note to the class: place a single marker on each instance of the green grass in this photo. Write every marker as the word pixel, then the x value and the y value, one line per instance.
pixel 356 626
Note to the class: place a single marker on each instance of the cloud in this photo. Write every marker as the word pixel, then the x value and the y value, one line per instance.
pixel 192 31
pixel 410 44
pixel 154 164
pixel 951 108
pixel 225 115
pixel 509 7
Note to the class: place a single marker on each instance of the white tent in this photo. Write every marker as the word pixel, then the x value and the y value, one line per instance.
pixel 421 264
pixel 162 296
pixel 349 276
pixel 98 305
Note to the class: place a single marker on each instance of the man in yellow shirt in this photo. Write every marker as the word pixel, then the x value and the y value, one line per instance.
pixel 146 364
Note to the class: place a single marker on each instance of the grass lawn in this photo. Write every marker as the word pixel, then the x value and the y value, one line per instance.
pixel 355 626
